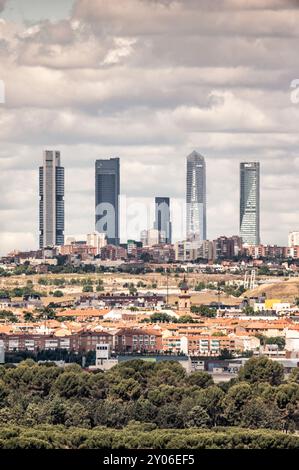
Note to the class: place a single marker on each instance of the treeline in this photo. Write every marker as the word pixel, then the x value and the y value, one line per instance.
pixel 140 436
pixel 20 292
pixel 159 393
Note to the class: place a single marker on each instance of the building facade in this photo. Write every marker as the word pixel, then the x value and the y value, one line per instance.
pixel 150 237
pixel 227 247
pixel 107 184
pixel 51 206
pixel 196 197
pixel 138 340
pixel 293 239
pixel 97 240
pixel 250 203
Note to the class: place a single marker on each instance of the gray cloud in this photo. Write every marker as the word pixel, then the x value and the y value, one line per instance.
pixel 2 4
pixel 149 82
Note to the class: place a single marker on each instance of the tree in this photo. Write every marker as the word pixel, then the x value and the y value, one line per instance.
pixel 278 340
pixel 204 311
pixel 262 369
pixel 100 286
pixel 200 286
pixel 211 400
pixel 3 393
pixel 144 410
pixel 185 319
pixel 294 375
pixel 200 379
pixel 197 418
pixel 56 411
pixel 258 414
pixel 72 384
pixel 127 389
pixel 248 310
pixel 28 317
pixel 287 399
pixel 161 317
pixel 225 354
pixel 169 416
pixel 57 293
pixel 87 288
pixel 237 396
pixel 264 271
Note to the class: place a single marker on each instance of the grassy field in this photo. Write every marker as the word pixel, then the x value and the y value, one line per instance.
pixel 285 290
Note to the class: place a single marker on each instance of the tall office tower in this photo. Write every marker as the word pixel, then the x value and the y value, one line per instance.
pixel 51 206
pixel 162 219
pixel 250 203
pixel 107 198
pixel 196 197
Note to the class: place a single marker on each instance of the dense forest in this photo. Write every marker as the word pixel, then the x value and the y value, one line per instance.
pixel 152 405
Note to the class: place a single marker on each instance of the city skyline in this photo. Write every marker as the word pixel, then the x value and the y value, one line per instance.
pixel 149 229
pixel 108 202
pixel 104 85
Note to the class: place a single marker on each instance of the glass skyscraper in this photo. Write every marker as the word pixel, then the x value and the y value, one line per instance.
pixel 51 206
pixel 107 183
pixel 196 197
pixel 250 202
pixel 162 218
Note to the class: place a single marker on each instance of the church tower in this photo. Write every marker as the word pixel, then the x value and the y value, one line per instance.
pixel 184 297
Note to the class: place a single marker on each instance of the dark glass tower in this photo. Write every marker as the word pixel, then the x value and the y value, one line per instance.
pixel 162 219
pixel 250 202
pixel 51 206
pixel 196 197
pixel 107 175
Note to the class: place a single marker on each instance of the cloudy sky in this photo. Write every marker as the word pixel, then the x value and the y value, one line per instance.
pixel 149 81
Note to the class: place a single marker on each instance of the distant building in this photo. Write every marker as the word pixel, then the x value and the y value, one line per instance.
pixel 78 249
pixel 227 247
pixel 196 197
pixel 250 203
pixel 293 239
pixel 150 237
pixel 107 176
pixel 113 253
pixel 143 237
pixel 162 219
pixel 132 245
pixel 192 250
pixel 129 340
pixel 97 241
pixel 292 341
pixel 51 206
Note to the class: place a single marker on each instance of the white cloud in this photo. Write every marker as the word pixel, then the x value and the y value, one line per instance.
pixel 149 82
pixel 123 48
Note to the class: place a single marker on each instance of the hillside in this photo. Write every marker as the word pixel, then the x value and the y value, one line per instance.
pixel 285 290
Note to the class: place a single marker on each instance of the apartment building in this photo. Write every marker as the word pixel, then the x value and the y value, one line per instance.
pixel 138 340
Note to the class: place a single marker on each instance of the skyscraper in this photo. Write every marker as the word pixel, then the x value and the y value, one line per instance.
pixel 196 197
pixel 250 202
pixel 51 206
pixel 107 198
pixel 162 218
